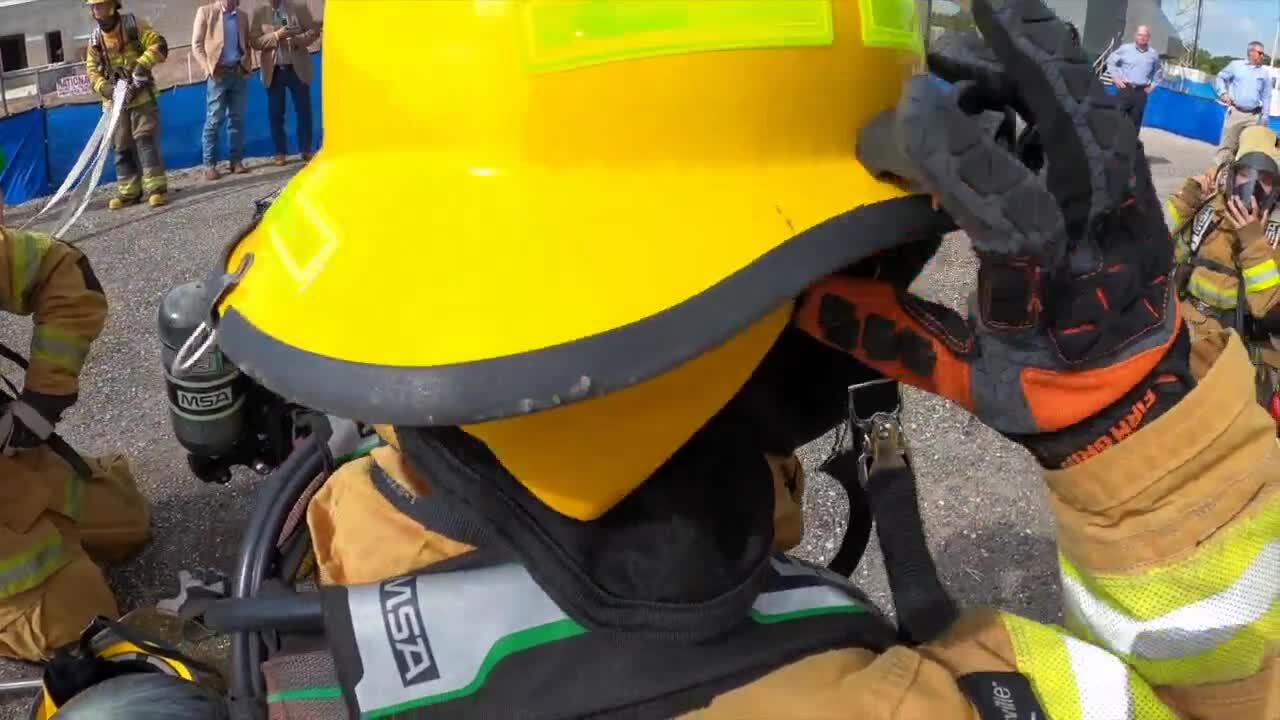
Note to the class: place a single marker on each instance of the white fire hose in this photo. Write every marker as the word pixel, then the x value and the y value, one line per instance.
pixel 95 152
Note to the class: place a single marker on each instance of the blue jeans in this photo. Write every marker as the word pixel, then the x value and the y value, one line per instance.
pixel 285 79
pixel 227 98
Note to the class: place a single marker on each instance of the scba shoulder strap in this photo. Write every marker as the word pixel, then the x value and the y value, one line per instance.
pixel 480 642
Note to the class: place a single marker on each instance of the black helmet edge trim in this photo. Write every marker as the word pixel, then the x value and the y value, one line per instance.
pixel 521 384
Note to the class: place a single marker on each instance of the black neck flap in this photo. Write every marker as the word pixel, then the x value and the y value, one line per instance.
pixel 682 558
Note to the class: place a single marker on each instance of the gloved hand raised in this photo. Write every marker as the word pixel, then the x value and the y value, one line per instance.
pixel 1074 338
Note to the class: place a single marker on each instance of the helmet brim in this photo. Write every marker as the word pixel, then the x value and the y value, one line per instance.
pixel 268 324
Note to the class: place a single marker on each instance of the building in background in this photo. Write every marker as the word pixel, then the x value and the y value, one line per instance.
pixel 1103 24
pixel 44 32
pixel 43 44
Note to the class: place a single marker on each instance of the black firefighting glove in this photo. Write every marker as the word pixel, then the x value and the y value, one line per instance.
pixel 1074 339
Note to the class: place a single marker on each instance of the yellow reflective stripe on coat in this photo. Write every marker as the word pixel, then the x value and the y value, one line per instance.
pixel 1074 680
pixel 1263 276
pixel 31 567
pixel 73 493
pixel 564 35
pixel 1207 619
pixel 58 347
pixel 1222 298
pixel 1175 218
pixel 26 252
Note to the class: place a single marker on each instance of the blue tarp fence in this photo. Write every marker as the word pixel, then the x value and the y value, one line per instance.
pixel 42 145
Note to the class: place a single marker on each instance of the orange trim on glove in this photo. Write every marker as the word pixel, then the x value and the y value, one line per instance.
pixel 951 375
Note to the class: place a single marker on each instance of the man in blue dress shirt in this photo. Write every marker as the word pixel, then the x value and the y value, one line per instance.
pixel 220 43
pixel 1136 71
pixel 1244 87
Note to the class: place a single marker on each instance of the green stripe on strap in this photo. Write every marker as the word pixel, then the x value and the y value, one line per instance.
pixel 504 648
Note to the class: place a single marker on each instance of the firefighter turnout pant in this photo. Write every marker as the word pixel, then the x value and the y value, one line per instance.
pixel 139 168
pixel 54 528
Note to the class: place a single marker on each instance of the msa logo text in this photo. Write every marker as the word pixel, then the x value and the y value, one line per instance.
pixel 406 632
pixel 205 401
pixel 1200 225
pixel 1273 233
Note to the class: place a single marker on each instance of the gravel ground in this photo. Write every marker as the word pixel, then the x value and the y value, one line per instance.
pixel 981 496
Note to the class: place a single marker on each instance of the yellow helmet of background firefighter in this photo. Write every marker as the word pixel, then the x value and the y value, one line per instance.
pixel 101 2
pixel 586 227
pixel 1259 139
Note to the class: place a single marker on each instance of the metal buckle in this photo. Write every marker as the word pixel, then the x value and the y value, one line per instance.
pixel 206 333
pixel 881 432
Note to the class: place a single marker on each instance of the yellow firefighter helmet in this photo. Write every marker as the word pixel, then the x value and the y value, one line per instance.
pixel 1258 139
pixel 567 220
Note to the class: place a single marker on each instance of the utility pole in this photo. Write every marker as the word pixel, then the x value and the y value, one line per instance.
pixel 1195 43
pixel 1275 42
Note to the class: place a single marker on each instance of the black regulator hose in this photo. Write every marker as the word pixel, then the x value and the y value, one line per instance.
pixel 276 497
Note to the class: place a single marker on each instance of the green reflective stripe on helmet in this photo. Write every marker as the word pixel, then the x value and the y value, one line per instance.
pixel 58 347
pixel 30 568
pixel 891 24
pixel 580 33
pixel 1263 276
pixel 27 250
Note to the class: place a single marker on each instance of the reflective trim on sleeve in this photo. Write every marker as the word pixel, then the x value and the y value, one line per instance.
pixel 1263 276
pixel 28 569
pixel 1074 680
pixel 58 347
pixel 27 249
pixel 1222 298
pixel 1175 218
pixel 1209 618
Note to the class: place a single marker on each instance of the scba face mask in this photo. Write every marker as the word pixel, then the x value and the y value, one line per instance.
pixel 1255 177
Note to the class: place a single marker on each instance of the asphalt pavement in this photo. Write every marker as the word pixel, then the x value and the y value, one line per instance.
pixel 981 496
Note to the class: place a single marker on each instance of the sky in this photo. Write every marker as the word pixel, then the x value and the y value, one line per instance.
pixel 1229 25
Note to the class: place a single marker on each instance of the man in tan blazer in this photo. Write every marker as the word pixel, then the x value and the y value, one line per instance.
pixel 281 30
pixel 220 43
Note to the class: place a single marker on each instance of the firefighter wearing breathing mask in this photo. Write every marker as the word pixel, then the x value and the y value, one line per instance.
pixel 59 512
pixel 1225 228
pixel 655 267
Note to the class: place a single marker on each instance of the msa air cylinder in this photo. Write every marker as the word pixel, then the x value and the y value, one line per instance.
pixel 206 400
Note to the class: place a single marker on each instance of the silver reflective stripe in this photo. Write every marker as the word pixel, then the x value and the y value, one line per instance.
pixel 1102 681
pixel 464 614
pixel 783 602
pixel 1190 630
